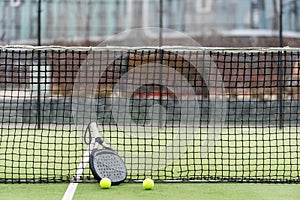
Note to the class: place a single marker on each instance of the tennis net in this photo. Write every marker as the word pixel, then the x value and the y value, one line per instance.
pixel 171 113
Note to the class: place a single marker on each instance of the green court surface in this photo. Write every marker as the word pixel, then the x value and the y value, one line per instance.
pixel 161 191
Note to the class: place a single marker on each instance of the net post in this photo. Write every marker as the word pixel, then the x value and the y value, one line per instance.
pixel 161 54
pixel 39 65
pixel 39 23
pixel 280 42
pixel 160 22
pixel 280 85
pixel 39 91
pixel 280 71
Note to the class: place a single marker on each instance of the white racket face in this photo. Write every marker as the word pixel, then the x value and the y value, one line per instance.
pixel 107 164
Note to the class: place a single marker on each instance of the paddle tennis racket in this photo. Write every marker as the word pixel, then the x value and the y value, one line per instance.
pixel 105 163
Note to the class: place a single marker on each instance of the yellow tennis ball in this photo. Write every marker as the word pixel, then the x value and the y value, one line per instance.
pixel 105 183
pixel 148 184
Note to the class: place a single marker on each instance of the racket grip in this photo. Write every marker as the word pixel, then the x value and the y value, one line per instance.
pixel 94 128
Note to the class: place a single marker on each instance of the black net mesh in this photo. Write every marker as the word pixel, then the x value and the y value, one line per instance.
pixel 172 114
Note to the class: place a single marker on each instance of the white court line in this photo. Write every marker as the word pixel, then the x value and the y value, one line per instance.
pixel 85 159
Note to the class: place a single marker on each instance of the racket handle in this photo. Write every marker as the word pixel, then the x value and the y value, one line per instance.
pixel 94 128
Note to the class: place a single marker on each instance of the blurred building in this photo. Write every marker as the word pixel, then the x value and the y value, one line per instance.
pixel 73 20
